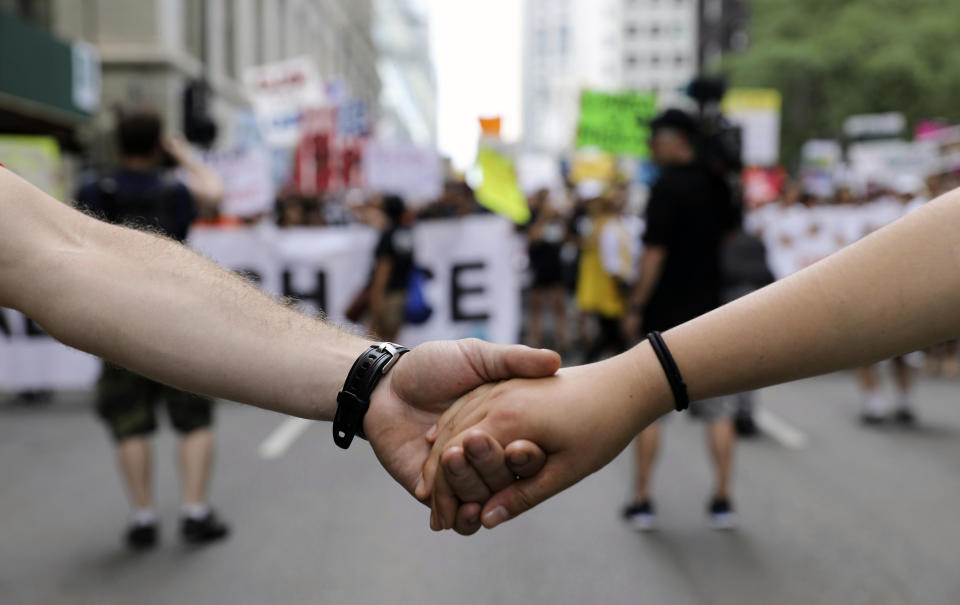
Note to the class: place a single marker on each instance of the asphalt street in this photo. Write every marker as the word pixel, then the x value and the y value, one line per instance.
pixel 853 516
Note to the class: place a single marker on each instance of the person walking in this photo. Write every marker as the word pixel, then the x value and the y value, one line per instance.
pixel 141 192
pixel 688 215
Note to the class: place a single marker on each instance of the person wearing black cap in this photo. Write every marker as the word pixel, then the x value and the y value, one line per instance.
pixel 689 212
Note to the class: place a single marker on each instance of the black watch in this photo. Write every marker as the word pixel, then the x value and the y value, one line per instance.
pixel 353 400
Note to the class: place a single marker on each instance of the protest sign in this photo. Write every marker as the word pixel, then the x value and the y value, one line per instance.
pixel 247 179
pixel 499 190
pixel 616 122
pixel 757 112
pixel 280 92
pixel 402 168
pixel 36 159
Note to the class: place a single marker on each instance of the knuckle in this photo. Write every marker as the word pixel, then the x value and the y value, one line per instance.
pixel 523 500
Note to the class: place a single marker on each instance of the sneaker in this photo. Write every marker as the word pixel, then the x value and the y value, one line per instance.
pixel 745 425
pixel 141 536
pixel 205 529
pixel 904 416
pixel 721 514
pixel 641 516
pixel 872 418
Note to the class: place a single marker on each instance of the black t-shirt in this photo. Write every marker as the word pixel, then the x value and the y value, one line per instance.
pixel 688 213
pixel 396 244
pixel 108 197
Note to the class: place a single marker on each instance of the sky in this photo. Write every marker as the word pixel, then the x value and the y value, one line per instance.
pixel 477 54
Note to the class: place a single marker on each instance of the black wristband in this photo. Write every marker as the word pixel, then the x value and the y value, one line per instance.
pixel 354 399
pixel 677 385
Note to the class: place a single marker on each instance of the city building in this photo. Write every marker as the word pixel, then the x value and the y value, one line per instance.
pixel 723 29
pixel 612 45
pixel 408 100
pixel 151 50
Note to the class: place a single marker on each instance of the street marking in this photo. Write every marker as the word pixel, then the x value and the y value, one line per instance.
pixel 777 428
pixel 282 437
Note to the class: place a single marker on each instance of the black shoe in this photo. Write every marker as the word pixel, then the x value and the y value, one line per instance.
pixel 721 514
pixel 744 424
pixel 905 416
pixel 207 529
pixel 872 418
pixel 641 516
pixel 142 537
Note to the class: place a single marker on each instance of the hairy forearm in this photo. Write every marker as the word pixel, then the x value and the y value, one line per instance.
pixel 156 307
pixel 894 291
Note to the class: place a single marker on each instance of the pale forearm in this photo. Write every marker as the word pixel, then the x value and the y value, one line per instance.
pixel 156 307
pixel 894 291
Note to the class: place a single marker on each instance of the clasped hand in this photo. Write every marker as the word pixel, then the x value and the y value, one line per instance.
pixel 504 447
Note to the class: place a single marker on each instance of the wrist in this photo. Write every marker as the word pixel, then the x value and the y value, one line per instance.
pixel 337 363
pixel 648 386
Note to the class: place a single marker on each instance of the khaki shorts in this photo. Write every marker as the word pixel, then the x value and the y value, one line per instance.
pixel 388 323
pixel 127 404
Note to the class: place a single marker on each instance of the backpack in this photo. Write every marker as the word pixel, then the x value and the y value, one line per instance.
pixel 417 310
pixel 152 209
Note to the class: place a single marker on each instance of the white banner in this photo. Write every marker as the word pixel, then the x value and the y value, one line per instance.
pixel 474 289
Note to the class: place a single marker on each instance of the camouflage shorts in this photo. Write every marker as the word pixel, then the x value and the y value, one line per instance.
pixel 127 403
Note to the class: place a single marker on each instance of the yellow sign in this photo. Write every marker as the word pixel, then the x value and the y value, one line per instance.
pixel 35 159
pixel 498 190
pixel 743 99
pixel 593 166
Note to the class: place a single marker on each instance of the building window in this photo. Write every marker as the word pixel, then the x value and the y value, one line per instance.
pixel 230 39
pixel 654 30
pixel 195 23
pixel 679 60
pixel 631 61
pixel 655 60
pixel 631 30
pixel 542 43
pixel 564 40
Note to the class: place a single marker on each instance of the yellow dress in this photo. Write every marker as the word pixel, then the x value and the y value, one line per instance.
pixel 597 290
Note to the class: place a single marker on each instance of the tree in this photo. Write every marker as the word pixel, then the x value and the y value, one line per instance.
pixel 834 58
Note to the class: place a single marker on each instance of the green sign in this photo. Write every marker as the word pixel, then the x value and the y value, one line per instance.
pixel 616 122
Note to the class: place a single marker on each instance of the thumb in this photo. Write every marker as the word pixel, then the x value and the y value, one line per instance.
pixel 500 362
pixel 523 495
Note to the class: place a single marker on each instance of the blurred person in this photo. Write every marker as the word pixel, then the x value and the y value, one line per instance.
pixel 743 263
pixel 845 311
pixel 392 266
pixel 689 213
pixel 546 233
pixel 150 304
pixel 607 257
pixel 290 211
pixel 904 197
pixel 940 359
pixel 141 192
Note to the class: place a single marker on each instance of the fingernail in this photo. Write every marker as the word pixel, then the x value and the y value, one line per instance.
pixel 519 459
pixel 457 465
pixel 443 522
pixel 433 522
pixel 478 448
pixel 419 489
pixel 432 432
pixel 495 517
